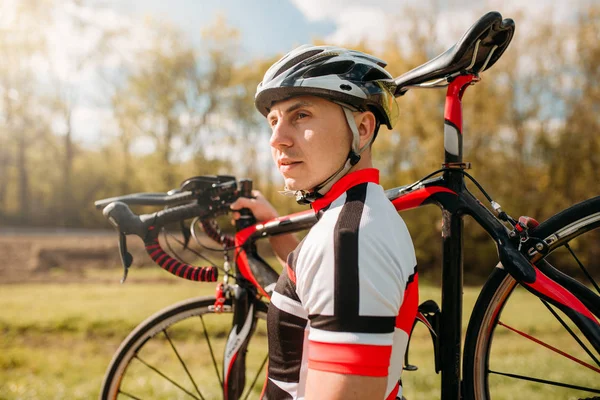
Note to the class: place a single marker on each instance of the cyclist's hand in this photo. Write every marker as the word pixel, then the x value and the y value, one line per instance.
pixel 260 207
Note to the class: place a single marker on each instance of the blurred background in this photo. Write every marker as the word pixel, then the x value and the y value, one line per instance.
pixel 100 98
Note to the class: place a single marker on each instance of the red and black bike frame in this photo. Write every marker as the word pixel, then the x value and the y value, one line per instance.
pixel 454 199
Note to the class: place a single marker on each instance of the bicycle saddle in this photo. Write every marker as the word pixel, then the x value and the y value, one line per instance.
pixel 478 49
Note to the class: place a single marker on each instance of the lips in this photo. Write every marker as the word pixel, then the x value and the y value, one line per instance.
pixel 286 161
pixel 286 165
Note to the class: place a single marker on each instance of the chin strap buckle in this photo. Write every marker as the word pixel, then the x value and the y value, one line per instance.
pixel 353 157
pixel 305 198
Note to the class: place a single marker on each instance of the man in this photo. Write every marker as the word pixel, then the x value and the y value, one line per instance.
pixel 344 304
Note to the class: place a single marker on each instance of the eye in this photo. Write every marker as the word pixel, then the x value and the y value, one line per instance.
pixel 273 122
pixel 301 115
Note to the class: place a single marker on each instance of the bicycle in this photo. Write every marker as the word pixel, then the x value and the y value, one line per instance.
pixel 526 251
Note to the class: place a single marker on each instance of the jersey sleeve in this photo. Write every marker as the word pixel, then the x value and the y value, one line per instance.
pixel 351 285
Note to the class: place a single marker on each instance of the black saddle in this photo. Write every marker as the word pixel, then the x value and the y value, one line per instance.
pixel 478 49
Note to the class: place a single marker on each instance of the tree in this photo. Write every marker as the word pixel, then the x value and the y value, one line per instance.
pixel 23 120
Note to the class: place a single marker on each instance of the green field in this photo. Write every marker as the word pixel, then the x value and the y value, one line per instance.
pixel 57 339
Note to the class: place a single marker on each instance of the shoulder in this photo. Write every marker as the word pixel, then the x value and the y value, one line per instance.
pixel 359 234
pixel 361 217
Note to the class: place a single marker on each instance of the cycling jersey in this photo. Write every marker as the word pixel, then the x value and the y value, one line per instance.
pixel 347 298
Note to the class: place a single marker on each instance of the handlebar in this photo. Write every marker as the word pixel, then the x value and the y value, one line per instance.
pixel 121 216
pixel 178 268
pixel 149 199
pixel 199 197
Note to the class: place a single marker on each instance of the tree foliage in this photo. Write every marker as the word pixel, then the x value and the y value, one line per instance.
pixel 530 125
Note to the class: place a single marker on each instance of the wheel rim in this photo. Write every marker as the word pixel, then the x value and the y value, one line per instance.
pixel 544 359
pixel 181 358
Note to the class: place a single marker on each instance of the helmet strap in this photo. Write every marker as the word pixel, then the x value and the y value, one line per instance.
pixel 356 151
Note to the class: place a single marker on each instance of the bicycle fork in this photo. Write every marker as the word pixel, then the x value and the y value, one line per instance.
pixel 234 360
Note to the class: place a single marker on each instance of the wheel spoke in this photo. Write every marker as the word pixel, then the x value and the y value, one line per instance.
pixel 166 377
pixel 528 378
pixel 549 362
pixel 256 377
pixel 149 376
pixel 562 353
pixel 212 354
pixel 182 363
pixel 583 346
pixel 129 395
pixel 585 271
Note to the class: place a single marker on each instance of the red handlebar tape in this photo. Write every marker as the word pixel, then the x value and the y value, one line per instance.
pixel 211 232
pixel 176 267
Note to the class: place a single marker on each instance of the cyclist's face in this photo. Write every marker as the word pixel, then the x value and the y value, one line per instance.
pixel 310 140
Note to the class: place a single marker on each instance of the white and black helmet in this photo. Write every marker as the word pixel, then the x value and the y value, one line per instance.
pixel 344 76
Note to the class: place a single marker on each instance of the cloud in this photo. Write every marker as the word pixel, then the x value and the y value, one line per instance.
pixel 355 20
pixel 373 21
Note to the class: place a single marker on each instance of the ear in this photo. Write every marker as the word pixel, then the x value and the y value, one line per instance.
pixel 365 122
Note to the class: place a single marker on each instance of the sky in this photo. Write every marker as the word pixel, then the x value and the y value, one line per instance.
pixel 276 26
pixel 269 27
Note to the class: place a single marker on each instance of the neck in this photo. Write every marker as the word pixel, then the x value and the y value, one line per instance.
pixel 365 161
pixel 304 197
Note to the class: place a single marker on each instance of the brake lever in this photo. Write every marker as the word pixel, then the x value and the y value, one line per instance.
pixel 126 257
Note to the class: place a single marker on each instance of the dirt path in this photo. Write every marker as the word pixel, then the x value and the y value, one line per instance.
pixel 36 255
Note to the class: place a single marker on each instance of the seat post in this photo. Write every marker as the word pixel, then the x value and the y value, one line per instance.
pixel 452 242
pixel 453 141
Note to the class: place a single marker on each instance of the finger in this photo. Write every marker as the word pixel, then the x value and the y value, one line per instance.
pixel 241 202
pixel 235 215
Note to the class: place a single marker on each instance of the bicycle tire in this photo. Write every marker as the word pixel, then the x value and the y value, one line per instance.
pixel 488 330
pixel 170 326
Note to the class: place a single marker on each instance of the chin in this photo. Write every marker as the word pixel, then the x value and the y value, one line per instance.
pixel 293 184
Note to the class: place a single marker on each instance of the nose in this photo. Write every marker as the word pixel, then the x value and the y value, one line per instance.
pixel 281 136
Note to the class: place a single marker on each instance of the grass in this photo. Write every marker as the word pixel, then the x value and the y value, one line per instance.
pixel 56 341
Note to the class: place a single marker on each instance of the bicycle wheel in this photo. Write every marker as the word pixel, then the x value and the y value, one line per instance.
pixel 177 353
pixel 518 346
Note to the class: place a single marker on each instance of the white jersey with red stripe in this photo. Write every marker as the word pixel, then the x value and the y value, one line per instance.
pixel 347 299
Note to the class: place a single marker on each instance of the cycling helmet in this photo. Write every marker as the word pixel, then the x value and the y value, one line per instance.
pixel 355 80
pixel 345 76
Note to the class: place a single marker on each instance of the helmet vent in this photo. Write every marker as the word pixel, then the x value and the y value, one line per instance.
pixel 375 75
pixel 329 68
pixel 299 58
pixel 346 87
